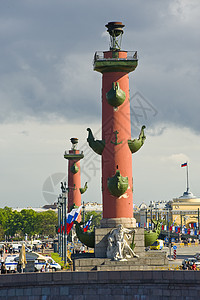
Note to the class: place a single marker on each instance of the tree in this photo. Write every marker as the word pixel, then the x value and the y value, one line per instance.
pixel 46 223
pixel 2 233
pixel 29 221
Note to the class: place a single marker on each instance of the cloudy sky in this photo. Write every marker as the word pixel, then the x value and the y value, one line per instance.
pixel 50 93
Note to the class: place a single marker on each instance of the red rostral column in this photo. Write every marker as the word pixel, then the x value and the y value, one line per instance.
pixel 74 176
pixel 116 146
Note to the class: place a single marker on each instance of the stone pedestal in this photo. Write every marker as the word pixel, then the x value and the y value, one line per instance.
pixel 147 260
pixel 114 222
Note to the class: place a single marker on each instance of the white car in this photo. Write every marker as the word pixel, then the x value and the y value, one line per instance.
pixel 53 265
pixel 17 248
pixel 44 260
pixel 10 262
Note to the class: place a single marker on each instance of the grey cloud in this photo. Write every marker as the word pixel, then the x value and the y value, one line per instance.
pixel 47 52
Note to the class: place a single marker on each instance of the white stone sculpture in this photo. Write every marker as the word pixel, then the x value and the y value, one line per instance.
pixel 118 247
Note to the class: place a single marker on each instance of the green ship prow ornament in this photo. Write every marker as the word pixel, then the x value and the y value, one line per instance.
pixel 84 189
pixel 136 144
pixel 87 238
pixel 150 236
pixel 115 96
pixel 74 168
pixel 117 184
pixel 96 145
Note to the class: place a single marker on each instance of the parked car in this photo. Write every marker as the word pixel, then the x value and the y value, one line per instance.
pixel 189 262
pixel 17 248
pixel 11 263
pixel 157 245
pixel 41 261
pixel 197 256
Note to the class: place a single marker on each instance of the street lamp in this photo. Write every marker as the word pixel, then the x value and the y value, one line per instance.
pixel 151 206
pixel 64 190
pixel 61 224
pixel 169 238
pixel 59 206
pixel 83 213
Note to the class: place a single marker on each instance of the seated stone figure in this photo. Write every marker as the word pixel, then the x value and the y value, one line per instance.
pixel 118 247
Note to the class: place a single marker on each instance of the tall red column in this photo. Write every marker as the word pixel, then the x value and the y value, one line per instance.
pixel 116 146
pixel 116 131
pixel 74 175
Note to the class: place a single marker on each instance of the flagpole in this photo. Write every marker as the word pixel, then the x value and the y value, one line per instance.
pixel 187 179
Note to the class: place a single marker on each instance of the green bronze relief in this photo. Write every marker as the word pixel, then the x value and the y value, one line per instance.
pixel 117 185
pixel 136 144
pixel 74 168
pixel 115 96
pixel 96 145
pixel 83 190
pixel 116 138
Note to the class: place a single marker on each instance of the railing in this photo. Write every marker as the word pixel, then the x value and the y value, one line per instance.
pixel 99 56
pixel 184 212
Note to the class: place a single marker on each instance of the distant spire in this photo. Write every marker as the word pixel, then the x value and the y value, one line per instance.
pixel 187 194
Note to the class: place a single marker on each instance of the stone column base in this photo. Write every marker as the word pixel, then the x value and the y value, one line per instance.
pixel 113 222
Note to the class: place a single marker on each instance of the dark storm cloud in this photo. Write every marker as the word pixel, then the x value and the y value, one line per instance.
pixel 47 49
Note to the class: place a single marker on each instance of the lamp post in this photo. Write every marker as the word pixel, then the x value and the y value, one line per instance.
pixel 151 214
pixel 83 213
pixel 64 190
pixel 169 238
pixel 59 223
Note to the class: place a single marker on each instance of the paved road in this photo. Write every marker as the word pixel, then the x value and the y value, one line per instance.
pixel 182 253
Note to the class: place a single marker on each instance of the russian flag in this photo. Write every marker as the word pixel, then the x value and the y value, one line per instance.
pixel 87 226
pixel 184 165
pixel 71 217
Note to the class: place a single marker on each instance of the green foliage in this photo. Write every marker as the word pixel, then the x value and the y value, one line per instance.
pixel 47 222
pixel 58 259
pixel 2 233
pixel 13 223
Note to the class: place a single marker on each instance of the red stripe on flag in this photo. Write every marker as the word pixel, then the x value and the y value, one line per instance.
pixel 184 165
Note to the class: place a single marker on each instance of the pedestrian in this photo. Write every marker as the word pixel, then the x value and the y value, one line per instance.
pixel 3 268
pixel 42 269
pixel 194 267
pixel 184 266
pixel 47 268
